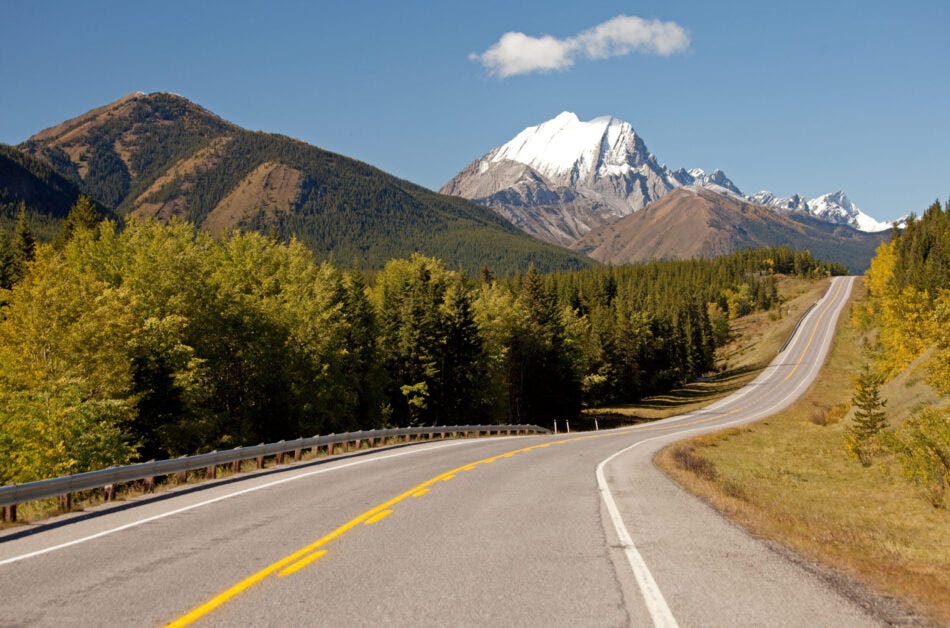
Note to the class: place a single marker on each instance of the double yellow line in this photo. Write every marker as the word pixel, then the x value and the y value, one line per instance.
pixel 307 555
pixel 814 331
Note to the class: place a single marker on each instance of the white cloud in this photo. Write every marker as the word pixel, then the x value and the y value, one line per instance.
pixel 516 53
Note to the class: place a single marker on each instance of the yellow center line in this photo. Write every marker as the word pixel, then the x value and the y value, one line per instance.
pixel 379 516
pixel 308 554
pixel 814 331
pixel 304 556
pixel 303 562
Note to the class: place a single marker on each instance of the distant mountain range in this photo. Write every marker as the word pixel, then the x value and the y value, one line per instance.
pixel 566 182
pixel 162 156
pixel 566 179
pixel 697 222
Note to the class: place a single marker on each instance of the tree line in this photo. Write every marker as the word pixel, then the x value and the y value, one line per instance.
pixel 157 340
pixel 908 307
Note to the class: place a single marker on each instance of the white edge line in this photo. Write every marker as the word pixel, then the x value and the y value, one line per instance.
pixel 207 502
pixel 656 604
pixel 652 596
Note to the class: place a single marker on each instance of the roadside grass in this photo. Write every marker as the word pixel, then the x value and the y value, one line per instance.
pixel 788 478
pixel 756 340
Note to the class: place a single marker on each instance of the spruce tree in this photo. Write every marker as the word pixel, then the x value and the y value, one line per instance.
pixel 869 417
pixel 24 246
pixel 869 420
pixel 6 261
pixel 82 216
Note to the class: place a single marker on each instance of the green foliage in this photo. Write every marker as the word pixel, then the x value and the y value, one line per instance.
pixel 64 381
pixel 862 437
pixel 923 251
pixel 542 379
pixel 908 283
pixel 922 447
pixel 22 249
pixel 7 272
pixel 430 344
pixel 83 215
pixel 909 304
pixel 638 330
pixel 939 367
pixel 158 340
pixel 25 179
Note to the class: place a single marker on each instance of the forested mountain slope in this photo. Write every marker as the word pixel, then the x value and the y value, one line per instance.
pixel 160 155
pixel 45 195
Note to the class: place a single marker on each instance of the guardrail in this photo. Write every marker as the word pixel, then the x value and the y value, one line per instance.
pixel 106 479
pixel 801 319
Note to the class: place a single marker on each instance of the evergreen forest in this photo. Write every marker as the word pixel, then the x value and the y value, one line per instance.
pixel 158 340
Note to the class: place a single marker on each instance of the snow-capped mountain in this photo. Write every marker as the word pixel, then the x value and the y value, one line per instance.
pixel 834 207
pixel 717 181
pixel 795 202
pixel 837 207
pixel 564 177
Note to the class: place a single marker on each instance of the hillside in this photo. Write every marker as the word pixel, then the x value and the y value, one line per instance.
pixel 46 195
pixel 700 223
pixel 160 155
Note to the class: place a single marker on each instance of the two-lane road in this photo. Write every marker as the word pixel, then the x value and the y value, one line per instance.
pixel 570 529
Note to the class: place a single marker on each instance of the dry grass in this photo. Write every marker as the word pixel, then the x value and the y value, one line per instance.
pixel 757 339
pixel 271 189
pixel 200 161
pixel 789 479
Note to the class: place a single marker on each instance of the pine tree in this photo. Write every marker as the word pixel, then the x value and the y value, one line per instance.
pixel 461 359
pixel 869 416
pixel 24 246
pixel 82 216
pixel 6 262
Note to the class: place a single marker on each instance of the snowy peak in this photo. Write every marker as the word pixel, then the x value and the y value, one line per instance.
pixel 566 147
pixel 564 177
pixel 837 207
pixel 794 202
pixel 833 207
pixel 717 181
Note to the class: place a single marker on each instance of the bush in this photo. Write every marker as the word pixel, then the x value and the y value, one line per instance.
pixel 922 448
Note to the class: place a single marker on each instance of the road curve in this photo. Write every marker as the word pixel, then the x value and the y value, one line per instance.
pixel 547 530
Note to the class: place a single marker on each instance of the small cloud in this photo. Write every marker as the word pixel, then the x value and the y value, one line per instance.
pixel 516 53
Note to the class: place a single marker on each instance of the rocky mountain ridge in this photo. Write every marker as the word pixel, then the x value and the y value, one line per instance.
pixel 564 178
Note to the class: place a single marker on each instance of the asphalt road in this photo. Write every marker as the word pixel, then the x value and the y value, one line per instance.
pixel 576 529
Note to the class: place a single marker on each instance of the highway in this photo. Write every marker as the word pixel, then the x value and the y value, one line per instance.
pixel 573 529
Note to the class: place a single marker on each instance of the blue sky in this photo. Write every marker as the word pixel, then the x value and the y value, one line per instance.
pixel 808 98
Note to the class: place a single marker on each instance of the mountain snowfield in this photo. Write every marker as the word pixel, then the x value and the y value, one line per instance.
pixel 563 178
pixel 833 207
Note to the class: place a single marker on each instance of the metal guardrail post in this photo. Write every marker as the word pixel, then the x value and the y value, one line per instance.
pixel 146 472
